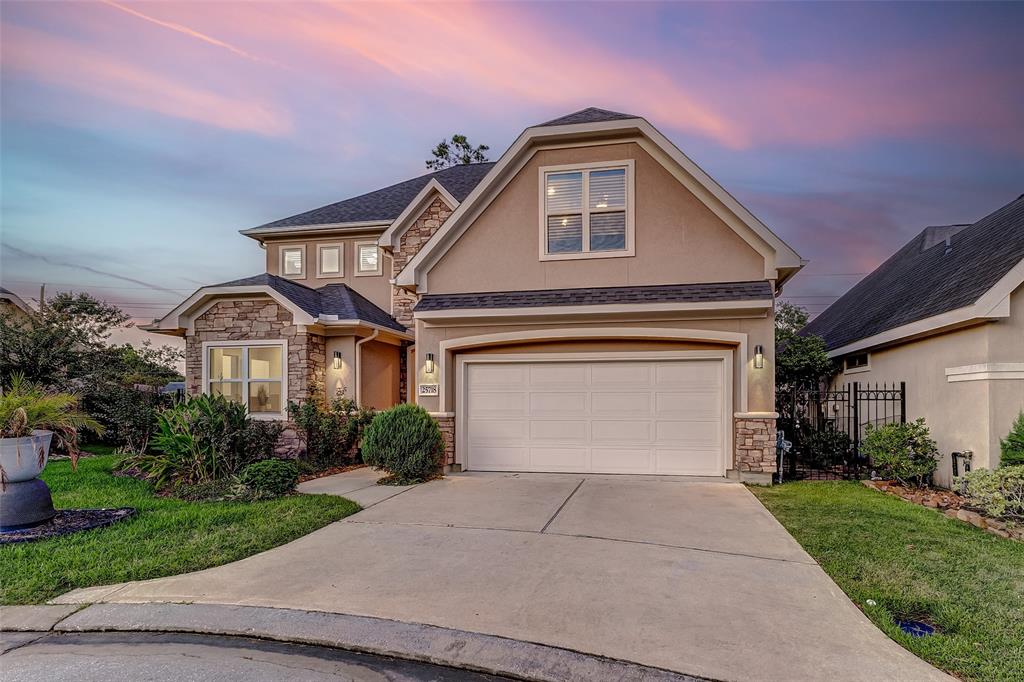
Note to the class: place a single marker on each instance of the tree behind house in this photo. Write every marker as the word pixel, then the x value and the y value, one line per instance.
pixel 456 152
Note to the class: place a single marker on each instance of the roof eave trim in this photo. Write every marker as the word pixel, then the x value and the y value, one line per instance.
pixel 414 273
pixel 393 234
pixel 994 304
pixel 355 322
pixel 594 308
pixel 258 233
pixel 182 317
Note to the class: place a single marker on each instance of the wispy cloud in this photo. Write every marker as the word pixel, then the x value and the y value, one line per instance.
pixel 75 66
pixel 180 28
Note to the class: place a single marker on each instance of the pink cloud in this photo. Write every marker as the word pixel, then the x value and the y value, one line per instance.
pixel 124 81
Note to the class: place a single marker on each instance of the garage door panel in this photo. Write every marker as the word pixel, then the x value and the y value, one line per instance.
pixel 622 431
pixel 623 416
pixel 620 403
pixel 559 430
pixel 559 459
pixel 622 460
pixel 506 404
pixel 559 404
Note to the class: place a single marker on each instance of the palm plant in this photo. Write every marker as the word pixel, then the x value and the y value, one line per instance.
pixel 26 407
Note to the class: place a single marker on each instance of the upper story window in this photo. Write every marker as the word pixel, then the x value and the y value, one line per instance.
pixel 251 374
pixel 368 260
pixel 587 211
pixel 293 261
pixel 330 260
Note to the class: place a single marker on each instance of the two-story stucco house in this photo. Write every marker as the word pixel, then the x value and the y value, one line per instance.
pixel 591 302
pixel 945 314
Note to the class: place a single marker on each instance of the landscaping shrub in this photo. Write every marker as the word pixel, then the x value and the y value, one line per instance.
pixel 998 492
pixel 406 442
pixel 129 414
pixel 204 438
pixel 331 431
pixel 270 478
pixel 827 447
pixel 1012 447
pixel 904 452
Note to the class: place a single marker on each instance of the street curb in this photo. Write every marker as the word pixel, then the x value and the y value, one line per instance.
pixel 411 641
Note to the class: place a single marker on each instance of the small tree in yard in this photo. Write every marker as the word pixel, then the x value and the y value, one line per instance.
pixel 457 152
pixel 800 361
pixel 1012 446
pixel 406 442
pixel 904 452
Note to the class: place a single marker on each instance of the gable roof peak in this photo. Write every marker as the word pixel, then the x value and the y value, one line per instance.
pixel 588 115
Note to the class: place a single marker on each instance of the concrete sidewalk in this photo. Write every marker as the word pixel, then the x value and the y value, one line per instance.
pixel 691 577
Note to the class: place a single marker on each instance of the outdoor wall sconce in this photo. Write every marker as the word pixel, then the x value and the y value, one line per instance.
pixel 337 359
pixel 429 366
pixel 758 356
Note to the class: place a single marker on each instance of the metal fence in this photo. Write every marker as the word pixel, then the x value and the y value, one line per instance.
pixel 826 428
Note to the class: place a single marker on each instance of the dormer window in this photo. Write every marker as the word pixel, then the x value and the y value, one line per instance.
pixel 587 211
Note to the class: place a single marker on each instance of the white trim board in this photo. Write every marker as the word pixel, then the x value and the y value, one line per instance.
pixel 363 225
pixel 779 256
pixel 727 453
pixel 393 235
pixel 985 372
pixel 597 309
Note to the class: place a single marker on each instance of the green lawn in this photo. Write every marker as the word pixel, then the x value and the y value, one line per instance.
pixel 915 562
pixel 167 536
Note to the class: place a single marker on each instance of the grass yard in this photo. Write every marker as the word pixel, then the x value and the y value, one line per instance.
pixel 166 537
pixel 914 562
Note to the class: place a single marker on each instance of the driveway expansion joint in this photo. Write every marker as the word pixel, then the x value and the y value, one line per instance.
pixel 562 506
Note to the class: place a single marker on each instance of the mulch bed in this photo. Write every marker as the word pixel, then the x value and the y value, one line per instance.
pixel 68 521
pixel 329 472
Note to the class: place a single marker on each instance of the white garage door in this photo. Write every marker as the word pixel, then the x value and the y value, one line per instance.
pixel 635 417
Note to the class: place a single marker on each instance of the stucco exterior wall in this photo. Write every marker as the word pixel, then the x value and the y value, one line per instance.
pixel 379 366
pixel 377 288
pixel 962 415
pixel 678 239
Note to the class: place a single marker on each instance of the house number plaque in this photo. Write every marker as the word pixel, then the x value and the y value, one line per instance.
pixel 428 389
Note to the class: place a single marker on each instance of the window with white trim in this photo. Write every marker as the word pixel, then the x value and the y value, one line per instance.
pixel 586 211
pixel 330 260
pixel 368 260
pixel 249 374
pixel 293 261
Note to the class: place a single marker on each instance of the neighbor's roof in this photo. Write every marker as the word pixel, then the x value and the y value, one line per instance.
pixel 332 299
pixel 671 293
pixel 388 203
pixel 926 278
pixel 588 115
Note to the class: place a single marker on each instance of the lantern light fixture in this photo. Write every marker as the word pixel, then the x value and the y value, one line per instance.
pixel 758 356
pixel 337 359
pixel 430 363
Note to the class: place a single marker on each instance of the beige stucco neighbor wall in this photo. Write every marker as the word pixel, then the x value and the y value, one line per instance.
pixel 678 239
pixel 374 287
pixel 962 415
pixel 760 385
pixel 258 319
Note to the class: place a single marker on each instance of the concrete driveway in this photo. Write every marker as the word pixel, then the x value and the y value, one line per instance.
pixel 691 576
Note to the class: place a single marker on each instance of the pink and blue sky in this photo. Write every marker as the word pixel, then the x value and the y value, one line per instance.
pixel 137 138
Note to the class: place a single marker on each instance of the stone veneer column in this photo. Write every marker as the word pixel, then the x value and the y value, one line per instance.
pixel 446 421
pixel 755 443
pixel 412 240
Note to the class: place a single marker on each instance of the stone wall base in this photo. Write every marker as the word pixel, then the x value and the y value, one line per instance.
pixel 446 421
pixel 755 443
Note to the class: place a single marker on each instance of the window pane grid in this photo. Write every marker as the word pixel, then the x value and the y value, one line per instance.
pixel 585 211
pixel 252 375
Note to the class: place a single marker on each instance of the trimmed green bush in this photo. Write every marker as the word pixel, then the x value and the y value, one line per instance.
pixel 331 431
pixel 998 492
pixel 1012 446
pixel 905 452
pixel 270 478
pixel 406 442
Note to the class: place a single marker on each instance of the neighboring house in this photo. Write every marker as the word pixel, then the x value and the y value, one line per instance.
pixel 591 302
pixel 946 315
pixel 12 304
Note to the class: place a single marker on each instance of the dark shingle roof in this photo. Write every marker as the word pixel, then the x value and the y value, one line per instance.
pixel 695 293
pixel 925 278
pixel 333 299
pixel 588 115
pixel 388 203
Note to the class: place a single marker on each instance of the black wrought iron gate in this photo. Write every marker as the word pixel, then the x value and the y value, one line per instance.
pixel 827 427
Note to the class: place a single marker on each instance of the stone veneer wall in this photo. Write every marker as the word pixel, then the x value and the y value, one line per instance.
pixel 412 240
pixel 260 319
pixel 446 421
pixel 755 444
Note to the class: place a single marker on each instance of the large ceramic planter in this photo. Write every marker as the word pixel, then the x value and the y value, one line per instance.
pixel 24 499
